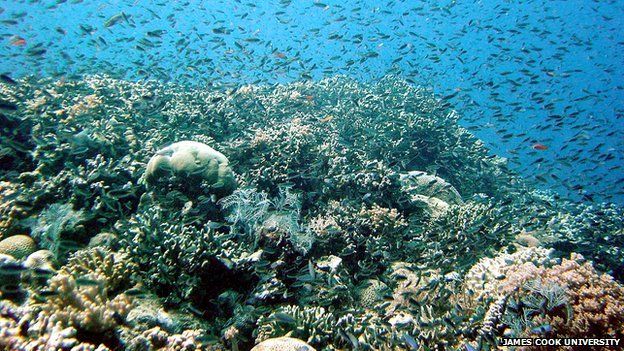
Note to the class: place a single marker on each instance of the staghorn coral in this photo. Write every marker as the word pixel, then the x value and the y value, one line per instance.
pixel 280 151
pixel 69 316
pixel 11 208
pixel 156 339
pixel 374 233
pixel 86 308
pixel 79 307
pixel 478 227
pixel 483 280
pixel 178 259
pixel 314 325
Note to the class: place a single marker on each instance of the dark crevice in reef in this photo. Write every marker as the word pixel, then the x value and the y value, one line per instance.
pixel 108 339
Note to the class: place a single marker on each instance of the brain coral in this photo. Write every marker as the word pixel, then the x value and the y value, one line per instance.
pixel 194 160
pixel 18 246
pixel 283 344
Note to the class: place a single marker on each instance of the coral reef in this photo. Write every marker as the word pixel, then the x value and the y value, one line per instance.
pixel 335 222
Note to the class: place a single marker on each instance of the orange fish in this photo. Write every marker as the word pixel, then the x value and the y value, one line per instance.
pixel 309 97
pixel 18 41
pixel 280 55
pixel 541 147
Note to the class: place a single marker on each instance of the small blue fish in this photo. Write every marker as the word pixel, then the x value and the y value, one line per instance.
pixel 542 329
pixel 468 347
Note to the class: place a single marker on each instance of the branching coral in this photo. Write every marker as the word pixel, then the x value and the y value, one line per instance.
pixel 179 259
pixel 114 270
pixel 596 301
pixel 11 209
pixel 75 308
pixel 462 234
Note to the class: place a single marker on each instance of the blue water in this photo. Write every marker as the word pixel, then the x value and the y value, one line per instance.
pixel 518 72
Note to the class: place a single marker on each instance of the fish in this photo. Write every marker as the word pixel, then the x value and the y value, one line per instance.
pixel 282 317
pixel 18 41
pixel 8 80
pixel 115 19
pixel 538 146
pixel 542 329
pixel 42 272
pixel 47 293
pixel 10 268
pixel 410 341
pixel 84 281
pixel 135 292
pixel 354 341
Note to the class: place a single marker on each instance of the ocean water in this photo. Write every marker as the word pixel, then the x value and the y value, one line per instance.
pixel 398 175
pixel 520 73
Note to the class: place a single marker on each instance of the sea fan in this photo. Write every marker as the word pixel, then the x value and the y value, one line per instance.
pixel 50 225
pixel 247 208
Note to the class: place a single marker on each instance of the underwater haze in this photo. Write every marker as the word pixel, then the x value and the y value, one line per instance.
pixel 311 175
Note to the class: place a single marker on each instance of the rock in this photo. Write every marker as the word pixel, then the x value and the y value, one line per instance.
pixel 283 343
pixel 18 246
pixel 194 162
pixel 421 183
